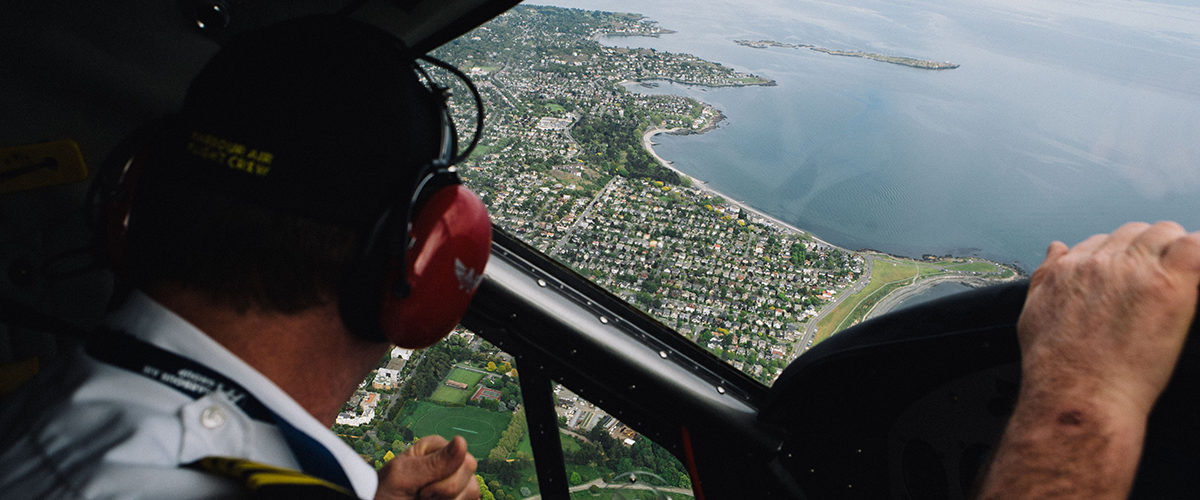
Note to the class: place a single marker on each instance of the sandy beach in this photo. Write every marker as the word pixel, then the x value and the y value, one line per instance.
pixel 703 186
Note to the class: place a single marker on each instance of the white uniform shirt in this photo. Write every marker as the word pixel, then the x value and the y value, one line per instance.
pixel 86 429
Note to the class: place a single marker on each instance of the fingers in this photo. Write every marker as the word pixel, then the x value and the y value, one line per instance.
pixel 452 453
pixel 1115 308
pixel 426 445
pixel 1183 254
pixel 1166 240
pixel 1091 244
pixel 1140 237
pixel 1057 249
pixel 439 458
pixel 1054 252
pixel 432 468
pixel 457 468
pixel 1154 239
pixel 1120 239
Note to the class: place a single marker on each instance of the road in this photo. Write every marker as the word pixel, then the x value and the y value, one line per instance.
pixel 587 211
pixel 893 300
pixel 896 297
pixel 625 486
pixel 810 331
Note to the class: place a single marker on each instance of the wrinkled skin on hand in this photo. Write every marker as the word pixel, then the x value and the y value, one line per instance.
pixel 432 468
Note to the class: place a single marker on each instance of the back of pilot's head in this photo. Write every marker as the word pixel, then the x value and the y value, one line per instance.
pixel 289 144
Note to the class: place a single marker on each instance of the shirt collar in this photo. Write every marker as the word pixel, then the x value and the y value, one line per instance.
pixel 144 318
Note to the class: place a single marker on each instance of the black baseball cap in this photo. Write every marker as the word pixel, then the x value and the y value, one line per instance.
pixel 322 117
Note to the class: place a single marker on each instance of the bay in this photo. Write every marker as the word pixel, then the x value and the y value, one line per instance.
pixel 1065 119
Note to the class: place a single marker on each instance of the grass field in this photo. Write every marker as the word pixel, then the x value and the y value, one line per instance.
pixel 480 427
pixel 974 267
pixel 886 275
pixel 889 274
pixel 448 395
pixel 465 376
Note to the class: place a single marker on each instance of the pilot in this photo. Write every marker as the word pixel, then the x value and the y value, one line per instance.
pixel 287 226
pixel 1100 333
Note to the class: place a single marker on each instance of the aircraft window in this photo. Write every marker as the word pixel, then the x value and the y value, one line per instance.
pixel 461 386
pixel 466 386
pixel 602 454
pixel 957 141
pixel 567 164
pixel 562 166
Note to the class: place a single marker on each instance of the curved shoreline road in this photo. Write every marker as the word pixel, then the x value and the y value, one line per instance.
pixel 893 300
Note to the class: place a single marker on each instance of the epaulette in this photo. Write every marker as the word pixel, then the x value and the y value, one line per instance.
pixel 271 482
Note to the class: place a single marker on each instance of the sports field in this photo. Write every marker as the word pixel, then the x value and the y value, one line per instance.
pixel 465 376
pixel 450 395
pixel 480 427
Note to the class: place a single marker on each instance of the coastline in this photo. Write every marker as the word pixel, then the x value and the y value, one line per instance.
pixel 898 297
pixel 887 303
pixel 647 143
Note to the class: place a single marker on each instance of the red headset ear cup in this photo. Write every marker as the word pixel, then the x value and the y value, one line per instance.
pixel 451 240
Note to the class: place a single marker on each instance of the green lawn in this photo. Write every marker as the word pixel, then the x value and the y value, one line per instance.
pixel 973 267
pixel 480 427
pixel 884 271
pixel 887 275
pixel 449 395
pixel 465 376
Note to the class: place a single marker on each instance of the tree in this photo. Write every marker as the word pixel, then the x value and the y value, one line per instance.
pixel 484 492
pixel 575 478
pixel 386 430
pixel 509 474
pixel 364 447
pixel 498 454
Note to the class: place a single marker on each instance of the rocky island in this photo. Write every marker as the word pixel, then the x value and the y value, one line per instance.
pixel 903 61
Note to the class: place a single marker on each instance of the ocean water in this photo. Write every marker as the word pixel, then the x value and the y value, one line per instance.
pixel 1065 119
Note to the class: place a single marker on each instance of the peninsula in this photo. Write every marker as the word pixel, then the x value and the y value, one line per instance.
pixel 903 61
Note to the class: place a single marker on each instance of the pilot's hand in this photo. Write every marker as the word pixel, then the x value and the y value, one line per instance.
pixel 430 468
pixel 1106 320
pixel 1102 328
